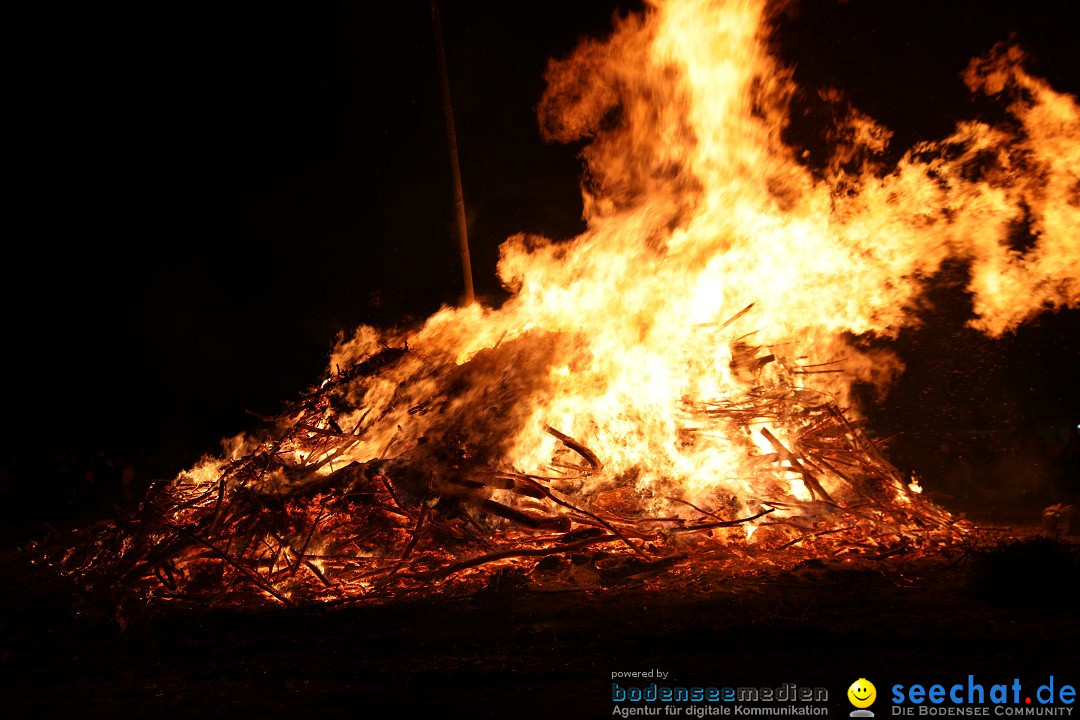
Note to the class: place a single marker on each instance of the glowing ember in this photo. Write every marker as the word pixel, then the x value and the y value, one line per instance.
pixel 678 368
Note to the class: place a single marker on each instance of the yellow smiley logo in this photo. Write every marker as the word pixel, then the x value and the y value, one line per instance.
pixel 862 693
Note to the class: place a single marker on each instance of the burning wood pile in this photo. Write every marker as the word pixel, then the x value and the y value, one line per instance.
pixel 295 519
pixel 616 414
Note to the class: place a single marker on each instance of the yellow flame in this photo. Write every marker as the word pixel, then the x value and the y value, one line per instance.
pixel 696 209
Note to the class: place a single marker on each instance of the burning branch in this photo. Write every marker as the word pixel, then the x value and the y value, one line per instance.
pixel 442 509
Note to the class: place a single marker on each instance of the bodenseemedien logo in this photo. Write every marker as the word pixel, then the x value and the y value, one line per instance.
pixel 862 694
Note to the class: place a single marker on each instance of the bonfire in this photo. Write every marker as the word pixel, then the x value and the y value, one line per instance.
pixel 672 391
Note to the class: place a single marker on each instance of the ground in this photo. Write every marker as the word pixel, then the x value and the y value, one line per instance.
pixel 512 651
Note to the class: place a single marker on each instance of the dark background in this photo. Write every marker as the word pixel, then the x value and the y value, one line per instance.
pixel 203 197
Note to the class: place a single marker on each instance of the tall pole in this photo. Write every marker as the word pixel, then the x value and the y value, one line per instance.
pixel 451 139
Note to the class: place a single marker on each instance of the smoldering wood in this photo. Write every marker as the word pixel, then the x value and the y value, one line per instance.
pixel 297 519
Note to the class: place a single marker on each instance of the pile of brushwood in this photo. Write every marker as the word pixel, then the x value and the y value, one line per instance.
pixel 299 516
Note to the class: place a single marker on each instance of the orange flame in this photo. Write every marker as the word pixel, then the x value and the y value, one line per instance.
pixel 696 209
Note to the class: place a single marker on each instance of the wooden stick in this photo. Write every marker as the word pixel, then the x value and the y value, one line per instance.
pixel 408 548
pixel 730 320
pixel 811 482
pixel 533 552
pixel 700 510
pixel 253 578
pixel 577 447
pixel 608 526
pixel 451 140
pixel 721 523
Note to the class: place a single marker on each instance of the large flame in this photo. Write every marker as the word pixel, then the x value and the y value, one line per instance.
pixel 696 209
pixel 709 320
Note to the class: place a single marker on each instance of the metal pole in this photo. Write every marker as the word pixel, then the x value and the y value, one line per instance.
pixel 451 139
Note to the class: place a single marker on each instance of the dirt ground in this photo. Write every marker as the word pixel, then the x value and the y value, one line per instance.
pixel 536 652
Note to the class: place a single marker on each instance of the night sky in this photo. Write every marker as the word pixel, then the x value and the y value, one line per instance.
pixel 205 196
